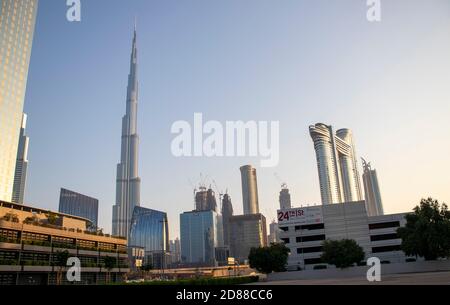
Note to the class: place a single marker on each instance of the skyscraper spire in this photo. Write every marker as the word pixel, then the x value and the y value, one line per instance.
pixel 128 182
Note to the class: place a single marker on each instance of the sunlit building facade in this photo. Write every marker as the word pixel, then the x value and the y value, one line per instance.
pixel 337 164
pixel 374 204
pixel 17 22
pixel 249 190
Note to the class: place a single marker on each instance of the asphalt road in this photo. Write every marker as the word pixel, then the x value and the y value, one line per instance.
pixel 434 278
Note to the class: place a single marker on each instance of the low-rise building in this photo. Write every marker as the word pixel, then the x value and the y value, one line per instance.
pixel 303 230
pixel 31 238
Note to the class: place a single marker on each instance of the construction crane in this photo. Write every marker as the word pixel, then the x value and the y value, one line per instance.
pixel 283 184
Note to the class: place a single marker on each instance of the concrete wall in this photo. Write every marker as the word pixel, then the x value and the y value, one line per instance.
pixel 399 268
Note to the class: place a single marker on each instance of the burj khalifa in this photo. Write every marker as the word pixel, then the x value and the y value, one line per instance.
pixel 128 183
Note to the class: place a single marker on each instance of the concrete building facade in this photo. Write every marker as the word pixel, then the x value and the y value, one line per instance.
pixel 304 230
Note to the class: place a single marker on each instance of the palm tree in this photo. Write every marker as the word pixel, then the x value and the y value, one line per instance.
pixel 61 262
pixel 110 263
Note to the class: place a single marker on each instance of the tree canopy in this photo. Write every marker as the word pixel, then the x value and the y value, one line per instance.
pixel 269 259
pixel 342 253
pixel 427 231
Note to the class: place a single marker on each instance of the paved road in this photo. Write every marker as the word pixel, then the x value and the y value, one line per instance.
pixel 434 278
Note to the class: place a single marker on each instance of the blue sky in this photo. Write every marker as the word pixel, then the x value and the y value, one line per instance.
pixel 297 62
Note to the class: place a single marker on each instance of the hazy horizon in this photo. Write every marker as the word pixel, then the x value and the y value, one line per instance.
pixel 297 62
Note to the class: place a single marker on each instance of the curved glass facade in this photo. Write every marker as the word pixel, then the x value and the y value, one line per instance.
pixel 149 230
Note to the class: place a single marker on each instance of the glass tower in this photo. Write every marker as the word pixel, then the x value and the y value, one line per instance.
pixel 149 230
pixel 17 21
pixel 201 233
pixel 76 204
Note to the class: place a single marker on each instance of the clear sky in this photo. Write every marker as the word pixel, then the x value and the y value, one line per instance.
pixel 293 61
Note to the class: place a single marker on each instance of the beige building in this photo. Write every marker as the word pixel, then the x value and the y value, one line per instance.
pixel 246 232
pixel 30 239
pixel 17 20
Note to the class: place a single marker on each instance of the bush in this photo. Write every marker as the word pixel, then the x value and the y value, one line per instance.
pixel 320 267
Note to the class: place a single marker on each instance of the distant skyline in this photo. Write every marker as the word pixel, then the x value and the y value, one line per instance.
pixel 297 62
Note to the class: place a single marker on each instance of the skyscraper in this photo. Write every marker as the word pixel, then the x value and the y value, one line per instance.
pixel 20 176
pixel 249 190
pixel 128 182
pixel 205 200
pixel 201 233
pixel 374 204
pixel 285 198
pixel 76 204
pixel 227 213
pixel 337 165
pixel 150 230
pixel 247 232
pixel 17 22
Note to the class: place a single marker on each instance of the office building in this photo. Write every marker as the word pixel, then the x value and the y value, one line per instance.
pixel 30 239
pixel 249 190
pixel 274 235
pixel 20 174
pixel 227 213
pixel 205 200
pixel 374 204
pixel 149 230
pixel 337 164
pixel 246 232
pixel 304 230
pixel 128 183
pixel 175 251
pixel 76 204
pixel 201 233
pixel 17 22
pixel 285 198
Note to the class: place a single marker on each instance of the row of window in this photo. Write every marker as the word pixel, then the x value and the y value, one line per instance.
pixel 304 239
pixel 42 239
pixel 321 226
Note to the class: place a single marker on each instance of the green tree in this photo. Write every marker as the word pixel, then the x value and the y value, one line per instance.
pixel 269 259
pixel 427 231
pixel 110 263
pixel 342 253
pixel 61 262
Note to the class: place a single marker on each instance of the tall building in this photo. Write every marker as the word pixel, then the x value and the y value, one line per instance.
pixel 175 250
pixel 374 204
pixel 249 190
pixel 17 22
pixel 149 230
pixel 20 176
pixel 201 233
pixel 205 200
pixel 76 204
pixel 128 182
pixel 227 213
pixel 285 198
pixel 274 236
pixel 247 232
pixel 337 164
